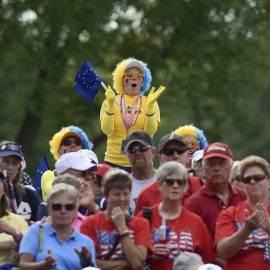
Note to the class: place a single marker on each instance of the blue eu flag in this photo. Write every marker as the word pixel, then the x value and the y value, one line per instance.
pixel 42 167
pixel 87 82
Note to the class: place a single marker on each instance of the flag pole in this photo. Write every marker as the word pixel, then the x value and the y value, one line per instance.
pixel 104 86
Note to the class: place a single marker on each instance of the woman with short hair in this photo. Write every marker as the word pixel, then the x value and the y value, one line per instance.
pixel 243 231
pixel 56 245
pixel 121 242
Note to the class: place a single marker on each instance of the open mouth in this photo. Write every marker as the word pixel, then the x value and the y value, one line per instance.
pixel 134 85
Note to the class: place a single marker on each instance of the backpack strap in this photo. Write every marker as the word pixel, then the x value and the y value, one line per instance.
pixel 147 213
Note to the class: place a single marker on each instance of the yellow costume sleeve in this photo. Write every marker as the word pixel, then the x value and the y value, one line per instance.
pixel 46 182
pixel 152 120
pixel 107 118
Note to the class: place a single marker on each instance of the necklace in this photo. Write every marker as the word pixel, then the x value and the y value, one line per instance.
pixel 131 121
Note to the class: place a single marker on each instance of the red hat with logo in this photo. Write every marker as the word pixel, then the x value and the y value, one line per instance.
pixel 217 149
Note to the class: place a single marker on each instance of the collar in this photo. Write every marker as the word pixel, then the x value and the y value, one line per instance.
pixel 53 232
pixel 208 192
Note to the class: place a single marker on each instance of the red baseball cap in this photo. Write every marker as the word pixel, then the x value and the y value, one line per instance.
pixel 102 169
pixel 217 149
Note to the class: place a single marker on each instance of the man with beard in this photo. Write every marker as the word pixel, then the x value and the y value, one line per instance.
pixel 140 152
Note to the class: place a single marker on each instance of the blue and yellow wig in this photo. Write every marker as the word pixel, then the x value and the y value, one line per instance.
pixel 119 72
pixel 55 142
pixel 194 131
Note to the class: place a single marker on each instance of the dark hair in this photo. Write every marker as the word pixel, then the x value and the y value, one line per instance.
pixel 4 201
pixel 116 178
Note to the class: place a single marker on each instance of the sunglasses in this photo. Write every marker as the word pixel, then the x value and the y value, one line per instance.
pixel 170 151
pixel 237 178
pixel 179 182
pixel 134 149
pixel 70 142
pixel 59 206
pixel 256 178
pixel 133 75
pixel 192 144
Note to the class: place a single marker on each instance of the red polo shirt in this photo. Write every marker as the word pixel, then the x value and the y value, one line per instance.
pixel 151 195
pixel 208 206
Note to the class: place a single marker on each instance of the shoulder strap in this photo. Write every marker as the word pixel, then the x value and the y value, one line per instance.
pixel 147 213
pixel 40 237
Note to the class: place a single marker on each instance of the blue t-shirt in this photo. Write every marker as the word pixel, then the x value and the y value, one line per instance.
pixel 63 252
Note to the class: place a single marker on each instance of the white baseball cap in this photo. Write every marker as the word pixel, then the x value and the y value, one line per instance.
pixel 209 266
pixel 196 157
pixel 81 160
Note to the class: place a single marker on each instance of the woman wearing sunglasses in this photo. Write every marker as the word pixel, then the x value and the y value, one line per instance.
pixel 55 244
pixel 121 241
pixel 173 228
pixel 127 109
pixel 243 231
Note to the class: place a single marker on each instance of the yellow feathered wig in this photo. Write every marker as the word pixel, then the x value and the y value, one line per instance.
pixel 192 130
pixel 119 73
pixel 55 142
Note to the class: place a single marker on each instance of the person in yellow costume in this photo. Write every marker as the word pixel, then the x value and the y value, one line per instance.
pixel 68 139
pixel 126 109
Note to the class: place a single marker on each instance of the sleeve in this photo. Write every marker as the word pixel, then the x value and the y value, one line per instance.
pixel 22 226
pixel 142 233
pixel 106 120
pixel 88 228
pixel 29 243
pixel 152 122
pixel 225 224
pixel 46 182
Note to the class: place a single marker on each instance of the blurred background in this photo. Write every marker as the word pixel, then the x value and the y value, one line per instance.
pixel 212 56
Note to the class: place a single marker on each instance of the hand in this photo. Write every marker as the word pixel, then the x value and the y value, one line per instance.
pixel 49 261
pixel 110 94
pixel 153 96
pixel 84 255
pixel 264 219
pixel 253 221
pixel 5 228
pixel 86 196
pixel 160 251
pixel 118 218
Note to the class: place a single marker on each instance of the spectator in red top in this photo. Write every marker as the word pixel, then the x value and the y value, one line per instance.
pixel 217 193
pixel 113 227
pixel 171 148
pixel 175 229
pixel 242 231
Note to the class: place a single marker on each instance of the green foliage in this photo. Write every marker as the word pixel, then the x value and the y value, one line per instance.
pixel 212 56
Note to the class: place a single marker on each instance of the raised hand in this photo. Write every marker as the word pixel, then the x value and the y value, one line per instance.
pixel 85 256
pixel 49 261
pixel 110 94
pixel 264 219
pixel 154 95
pixel 118 218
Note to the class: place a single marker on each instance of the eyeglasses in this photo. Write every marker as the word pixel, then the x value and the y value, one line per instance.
pixel 133 75
pixel 237 178
pixel 170 151
pixel 171 181
pixel 70 142
pixel 59 206
pixel 256 178
pixel 192 144
pixel 134 149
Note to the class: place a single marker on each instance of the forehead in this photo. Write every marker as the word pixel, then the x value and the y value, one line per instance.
pixel 134 144
pixel 253 170
pixel 119 190
pixel 13 158
pixel 216 160
pixel 71 138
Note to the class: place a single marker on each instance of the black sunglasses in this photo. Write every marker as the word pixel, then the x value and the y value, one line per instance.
pixel 134 149
pixel 70 142
pixel 256 178
pixel 170 151
pixel 171 181
pixel 237 178
pixel 59 206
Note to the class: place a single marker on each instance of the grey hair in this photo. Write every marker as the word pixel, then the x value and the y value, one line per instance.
pixel 170 168
pixel 60 189
pixel 67 179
